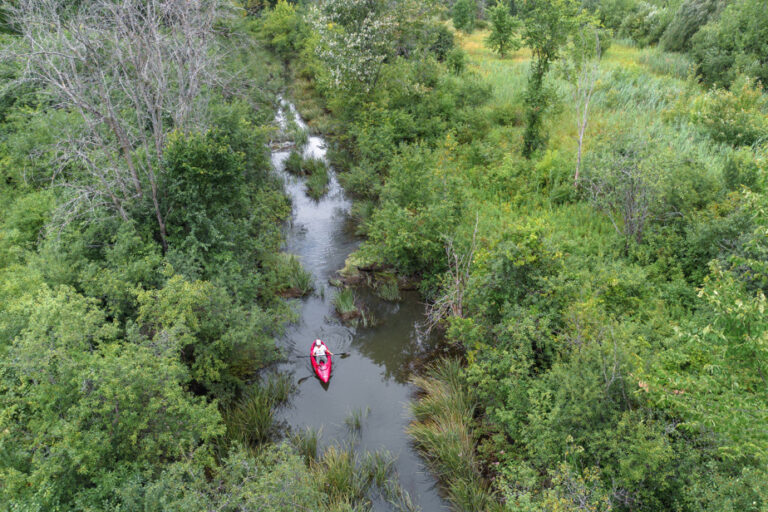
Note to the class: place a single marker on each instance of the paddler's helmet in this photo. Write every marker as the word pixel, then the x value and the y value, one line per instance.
pixel 318 343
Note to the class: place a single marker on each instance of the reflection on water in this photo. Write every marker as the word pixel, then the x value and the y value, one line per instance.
pixel 375 373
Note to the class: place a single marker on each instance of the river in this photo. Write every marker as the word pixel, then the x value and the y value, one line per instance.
pixel 374 376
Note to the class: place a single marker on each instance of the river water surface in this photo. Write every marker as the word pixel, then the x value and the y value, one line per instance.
pixel 374 376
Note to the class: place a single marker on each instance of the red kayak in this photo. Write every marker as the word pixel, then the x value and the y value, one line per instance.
pixel 323 371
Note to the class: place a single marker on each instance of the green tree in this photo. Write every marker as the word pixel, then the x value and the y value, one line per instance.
pixel 221 342
pixel 464 15
pixel 503 26
pixel 280 28
pixel 84 410
pixel 547 26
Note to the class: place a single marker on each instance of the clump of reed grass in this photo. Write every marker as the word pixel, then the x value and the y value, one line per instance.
pixel 354 419
pixel 399 498
pixel 345 304
pixel 387 289
pixel 347 478
pixel 306 441
pixel 293 162
pixel 441 431
pixel 677 65
pixel 380 468
pixel 250 420
pixel 342 480
pixel 295 281
pixel 317 182
pixel 300 137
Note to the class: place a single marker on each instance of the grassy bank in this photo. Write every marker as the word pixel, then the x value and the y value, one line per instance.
pixel 443 415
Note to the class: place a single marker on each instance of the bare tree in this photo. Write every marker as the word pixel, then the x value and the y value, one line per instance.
pixel 133 71
pixel 583 69
pixel 625 184
pixel 586 79
pixel 451 302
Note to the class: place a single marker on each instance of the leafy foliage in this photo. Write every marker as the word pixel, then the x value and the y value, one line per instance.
pixel 464 15
pixel 503 26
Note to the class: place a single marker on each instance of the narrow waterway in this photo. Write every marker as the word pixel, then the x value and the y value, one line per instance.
pixel 374 377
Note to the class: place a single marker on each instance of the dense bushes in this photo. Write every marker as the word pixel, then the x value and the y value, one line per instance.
pixel 736 43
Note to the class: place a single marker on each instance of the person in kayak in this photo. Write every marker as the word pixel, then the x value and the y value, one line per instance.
pixel 319 352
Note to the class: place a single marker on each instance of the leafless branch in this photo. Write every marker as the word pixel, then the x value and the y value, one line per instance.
pixel 133 71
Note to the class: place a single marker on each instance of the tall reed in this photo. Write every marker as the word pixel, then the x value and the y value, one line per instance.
pixel 441 430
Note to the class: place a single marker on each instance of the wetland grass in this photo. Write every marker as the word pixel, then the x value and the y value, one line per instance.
pixel 344 302
pixel 441 430
pixel 250 420
pixel 355 418
pixel 296 282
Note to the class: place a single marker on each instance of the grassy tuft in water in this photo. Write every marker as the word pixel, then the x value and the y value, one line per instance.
pixel 380 467
pixel 354 419
pixel 300 137
pixel 306 441
pixel 344 302
pixel 342 479
pixel 293 162
pixel 295 281
pixel 250 420
pixel 317 182
pixel 387 289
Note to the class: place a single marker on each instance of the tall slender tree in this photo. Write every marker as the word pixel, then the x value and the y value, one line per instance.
pixel 547 26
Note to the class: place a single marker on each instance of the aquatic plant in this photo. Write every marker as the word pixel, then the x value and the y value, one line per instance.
pixel 388 290
pixel 295 280
pixel 305 441
pixel 344 302
pixel 293 162
pixel 300 137
pixel 250 420
pixel 317 182
pixel 354 419
pixel 441 430
pixel 339 472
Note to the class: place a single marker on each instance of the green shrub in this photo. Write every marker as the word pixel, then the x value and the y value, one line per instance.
pixel 736 43
pixel 443 42
pixel 689 18
pixel 738 117
pixel 464 14
pixel 280 28
pixel 742 169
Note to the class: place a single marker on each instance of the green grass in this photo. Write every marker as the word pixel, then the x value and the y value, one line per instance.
pixel 293 162
pixel 344 302
pixel 294 280
pixel 306 441
pixel 314 169
pixel 317 182
pixel 348 479
pixel 442 432
pixel 300 137
pixel 250 420
pixel 387 289
pixel 341 476
pixel 677 65
pixel 355 418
